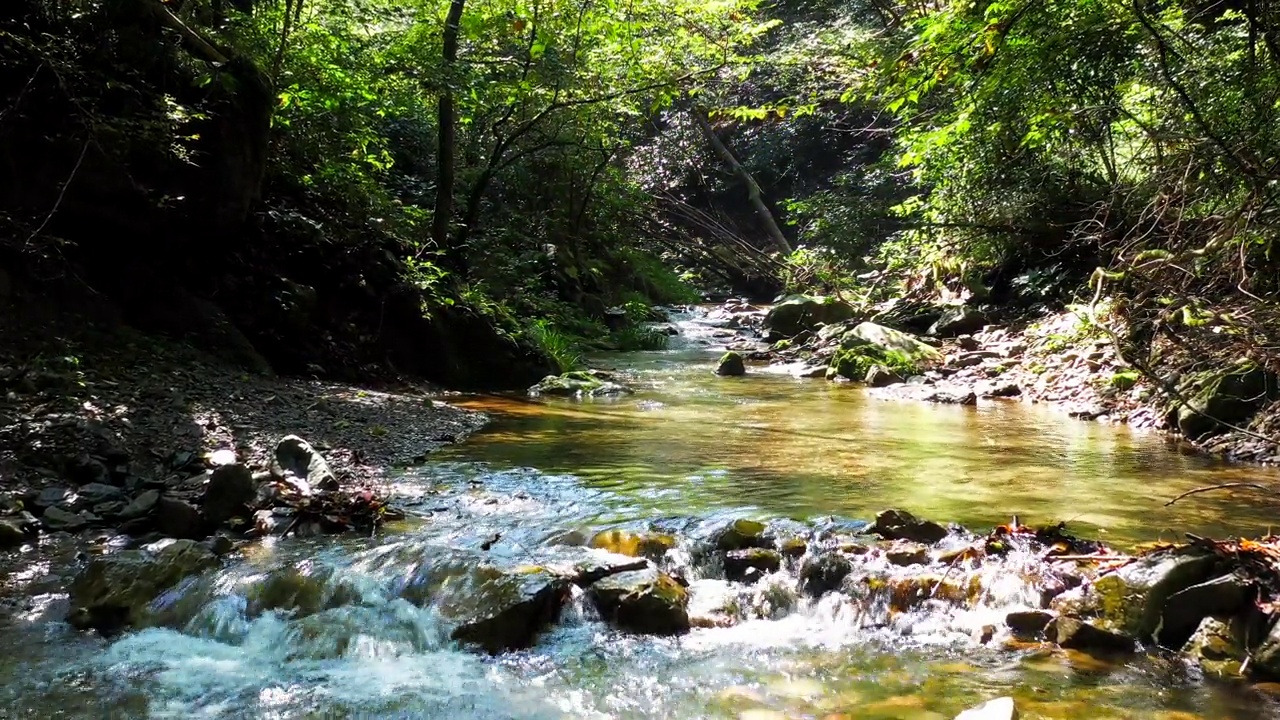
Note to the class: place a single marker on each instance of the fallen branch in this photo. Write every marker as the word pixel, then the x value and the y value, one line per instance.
pixel 1223 486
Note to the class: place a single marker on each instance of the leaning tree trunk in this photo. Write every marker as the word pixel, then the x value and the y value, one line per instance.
pixel 446 120
pixel 753 188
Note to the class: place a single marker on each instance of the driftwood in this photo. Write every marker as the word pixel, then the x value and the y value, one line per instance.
pixel 1223 486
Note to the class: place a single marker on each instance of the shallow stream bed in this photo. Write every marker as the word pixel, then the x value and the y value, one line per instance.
pixel 341 628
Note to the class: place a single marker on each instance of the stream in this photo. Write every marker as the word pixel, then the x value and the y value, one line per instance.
pixel 350 627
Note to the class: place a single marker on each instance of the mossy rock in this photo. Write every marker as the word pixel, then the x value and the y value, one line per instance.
pixel 1131 599
pixel 750 563
pixel 643 601
pixel 731 364
pixel 578 384
pixel 652 545
pixel 740 534
pixel 870 347
pixel 115 591
pixel 503 609
pixel 1217 397
pixel 799 313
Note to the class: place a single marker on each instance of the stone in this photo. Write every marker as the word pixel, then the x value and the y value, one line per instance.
pixel 230 491
pixel 55 519
pixel 1028 624
pixel 179 519
pixel 644 601
pixel 893 341
pixel 962 320
pixel 1001 708
pixel 1132 598
pixel 1077 634
pixel 968 343
pixel 12 533
pixel 907 555
pixel 506 609
pixel 577 384
pixel 824 573
pixel 881 376
pixel 141 505
pixel 750 563
pixel 799 313
pixel 1184 611
pixel 1231 396
pixel 731 364
pixel 739 534
pixel 652 545
pixel 902 525
pixel 114 591
pixel 85 470
pixel 51 496
pixel 1217 647
pixel 98 493
pixel 296 457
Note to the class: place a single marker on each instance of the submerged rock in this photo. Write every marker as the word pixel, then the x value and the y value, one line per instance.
pixel 740 534
pixel 578 384
pixel 902 525
pixel 744 564
pixel 295 457
pixel 731 364
pixel 907 554
pixel 999 709
pixel 644 601
pixel 114 591
pixel 506 609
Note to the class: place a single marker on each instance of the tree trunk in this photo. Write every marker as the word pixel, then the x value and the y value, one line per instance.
pixel 446 120
pixel 699 114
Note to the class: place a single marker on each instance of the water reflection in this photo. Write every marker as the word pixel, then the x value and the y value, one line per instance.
pixel 807 447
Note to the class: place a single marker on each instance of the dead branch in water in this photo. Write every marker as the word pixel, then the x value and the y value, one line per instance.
pixel 1223 486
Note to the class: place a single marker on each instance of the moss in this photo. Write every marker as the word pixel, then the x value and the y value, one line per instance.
pixel 854 362
pixel 782 345
pixel 1124 380
pixel 650 545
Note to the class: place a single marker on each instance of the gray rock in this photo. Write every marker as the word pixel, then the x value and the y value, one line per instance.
pixel 179 519
pixel 799 313
pixel 230 491
pixel 739 534
pixel 643 601
pixel 1230 396
pixel 907 555
pixel 961 320
pixel 578 384
pixel 114 591
pixel 902 525
pixel 506 609
pixel 296 457
pixel 881 376
pixel 999 709
pixel 731 365
pixel 1133 597
pixel 12 533
pixel 750 563
pixel 1218 647
pixel 1028 624
pixel 55 519
pixel 1077 634
pixel 824 573
pixel 98 493
pixel 141 505
pixel 51 496
pixel 1184 610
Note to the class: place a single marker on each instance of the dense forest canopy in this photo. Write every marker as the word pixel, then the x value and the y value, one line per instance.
pixel 534 166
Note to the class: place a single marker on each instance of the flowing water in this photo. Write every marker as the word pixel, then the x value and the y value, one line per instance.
pixel 359 627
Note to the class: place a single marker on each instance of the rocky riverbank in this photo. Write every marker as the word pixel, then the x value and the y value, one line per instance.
pixel 964 355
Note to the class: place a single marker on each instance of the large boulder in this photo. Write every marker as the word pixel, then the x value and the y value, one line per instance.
pixel 296 458
pixel 1217 397
pixel 731 364
pixel 115 591
pixel 578 384
pixel 1132 599
pixel 799 313
pixel 894 343
pixel 505 609
pixel 229 493
pixel 643 601
pixel 960 320
pixel 893 353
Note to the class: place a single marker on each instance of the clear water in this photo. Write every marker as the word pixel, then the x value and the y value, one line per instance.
pixel 353 637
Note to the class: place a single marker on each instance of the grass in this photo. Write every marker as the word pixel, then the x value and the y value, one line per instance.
pixel 563 349
pixel 640 338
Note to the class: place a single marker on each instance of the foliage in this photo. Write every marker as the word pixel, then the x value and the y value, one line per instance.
pixel 563 349
pixel 634 337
